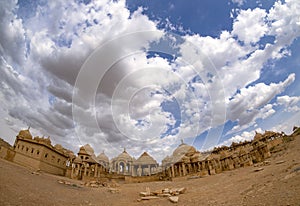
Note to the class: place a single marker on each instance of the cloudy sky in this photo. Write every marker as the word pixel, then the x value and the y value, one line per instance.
pixel 145 75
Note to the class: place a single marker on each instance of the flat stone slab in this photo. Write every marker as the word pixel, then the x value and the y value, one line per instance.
pixel 258 169
pixel 144 194
pixel 149 198
pixel 174 199
pixel 181 190
pixel 280 162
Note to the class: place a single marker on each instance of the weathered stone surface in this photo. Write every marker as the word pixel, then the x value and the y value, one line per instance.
pixel 258 169
pixel 157 192
pixel 166 190
pixel 164 195
pixel 280 162
pixel 35 173
pixel 113 190
pixel 149 197
pixel 67 183
pixel 144 194
pixel 174 199
pixel 148 191
pixel 60 181
pixel 94 185
pixel 181 190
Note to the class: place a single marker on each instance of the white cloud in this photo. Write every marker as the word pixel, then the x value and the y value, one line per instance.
pixel 239 2
pixel 42 57
pixel 244 136
pixel 252 102
pixel 250 25
pixel 291 104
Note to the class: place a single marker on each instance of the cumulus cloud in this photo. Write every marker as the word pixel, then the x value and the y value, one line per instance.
pixel 249 99
pixel 250 26
pixel 291 104
pixel 84 73
pixel 244 136
pixel 12 33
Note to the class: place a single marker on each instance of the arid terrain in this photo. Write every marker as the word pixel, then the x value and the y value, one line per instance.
pixel 275 183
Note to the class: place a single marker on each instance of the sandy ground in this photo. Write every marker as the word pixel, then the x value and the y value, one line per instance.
pixel 277 184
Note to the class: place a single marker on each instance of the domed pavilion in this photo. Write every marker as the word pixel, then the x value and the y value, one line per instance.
pixel 145 165
pixel 103 159
pixel 122 164
pixel 180 162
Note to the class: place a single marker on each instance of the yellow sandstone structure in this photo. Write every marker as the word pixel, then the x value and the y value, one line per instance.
pixel 39 154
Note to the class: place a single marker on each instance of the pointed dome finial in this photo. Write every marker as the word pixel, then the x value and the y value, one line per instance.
pixel 182 141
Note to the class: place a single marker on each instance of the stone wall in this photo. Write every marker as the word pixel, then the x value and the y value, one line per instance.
pixel 38 156
pixel 227 158
pixel 131 179
pixel 7 153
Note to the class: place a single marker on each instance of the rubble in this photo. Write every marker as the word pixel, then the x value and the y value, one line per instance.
pixel 174 199
pixel 149 197
pixel 96 184
pixel 280 162
pixel 113 190
pixel 36 173
pixel 171 193
pixel 258 169
pixel 68 183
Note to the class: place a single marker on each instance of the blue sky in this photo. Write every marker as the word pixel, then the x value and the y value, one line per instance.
pixel 146 74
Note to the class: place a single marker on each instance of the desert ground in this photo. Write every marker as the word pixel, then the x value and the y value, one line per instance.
pixel 277 183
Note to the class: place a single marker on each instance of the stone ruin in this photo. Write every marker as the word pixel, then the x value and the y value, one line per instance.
pixel 184 161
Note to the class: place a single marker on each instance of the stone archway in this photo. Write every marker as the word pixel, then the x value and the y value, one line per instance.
pixel 122 168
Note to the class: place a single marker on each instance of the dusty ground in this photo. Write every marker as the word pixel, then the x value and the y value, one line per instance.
pixel 276 184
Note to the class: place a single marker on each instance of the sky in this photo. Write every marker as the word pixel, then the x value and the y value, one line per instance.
pixel 145 75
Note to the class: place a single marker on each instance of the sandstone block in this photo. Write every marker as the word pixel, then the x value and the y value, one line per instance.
pixel 181 190
pixel 280 162
pixel 149 198
pixel 174 199
pixel 258 169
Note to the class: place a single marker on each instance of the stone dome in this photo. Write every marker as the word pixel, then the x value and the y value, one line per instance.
pixel 145 158
pixel 58 147
pixel 25 134
pixel 184 150
pixel 124 156
pixel 86 150
pixel 183 153
pixel 167 159
pixel 102 157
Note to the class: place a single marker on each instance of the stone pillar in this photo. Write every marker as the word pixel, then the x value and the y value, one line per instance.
pixel 85 170
pixel 169 172
pixel 149 168
pixel 133 173
pixel 139 171
pixel 183 169
pixel 96 171
pixel 99 171
pixel 172 171
pixel 190 168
